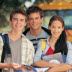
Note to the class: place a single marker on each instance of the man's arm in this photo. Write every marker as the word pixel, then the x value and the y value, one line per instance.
pixel 3 65
pixel 12 65
pixel 30 53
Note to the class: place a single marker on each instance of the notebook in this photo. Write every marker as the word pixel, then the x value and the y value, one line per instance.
pixel 53 58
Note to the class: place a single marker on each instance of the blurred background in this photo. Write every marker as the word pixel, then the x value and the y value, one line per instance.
pixel 50 8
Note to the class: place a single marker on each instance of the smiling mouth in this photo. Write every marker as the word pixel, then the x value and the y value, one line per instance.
pixel 18 26
pixel 56 33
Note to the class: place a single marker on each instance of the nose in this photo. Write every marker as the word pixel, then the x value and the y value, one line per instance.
pixel 18 21
pixel 34 20
pixel 56 29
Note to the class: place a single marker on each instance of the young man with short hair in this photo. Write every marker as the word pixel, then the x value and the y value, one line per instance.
pixel 21 50
pixel 36 31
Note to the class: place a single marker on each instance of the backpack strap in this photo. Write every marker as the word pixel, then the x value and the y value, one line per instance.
pixel 43 44
pixel 6 47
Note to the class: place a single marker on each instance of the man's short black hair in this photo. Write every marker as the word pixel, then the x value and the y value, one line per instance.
pixel 18 10
pixel 34 9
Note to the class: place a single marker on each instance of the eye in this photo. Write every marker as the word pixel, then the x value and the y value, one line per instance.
pixel 37 18
pixel 22 20
pixel 15 19
pixel 53 26
pixel 59 27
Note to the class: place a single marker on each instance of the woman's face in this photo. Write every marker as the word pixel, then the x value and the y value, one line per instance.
pixel 56 29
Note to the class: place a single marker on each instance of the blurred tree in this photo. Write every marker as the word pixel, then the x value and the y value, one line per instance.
pixel 6 6
pixel 3 21
pixel 41 1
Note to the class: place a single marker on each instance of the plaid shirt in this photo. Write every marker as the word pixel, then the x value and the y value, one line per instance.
pixel 26 48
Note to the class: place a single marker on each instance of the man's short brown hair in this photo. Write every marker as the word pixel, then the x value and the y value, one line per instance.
pixel 18 10
pixel 34 9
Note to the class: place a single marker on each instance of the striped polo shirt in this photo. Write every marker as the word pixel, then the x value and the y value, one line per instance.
pixel 35 39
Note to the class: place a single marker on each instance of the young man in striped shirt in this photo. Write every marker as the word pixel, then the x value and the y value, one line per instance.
pixel 35 32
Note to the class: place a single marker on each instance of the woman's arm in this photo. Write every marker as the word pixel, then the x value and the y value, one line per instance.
pixel 37 58
pixel 42 63
pixel 61 68
pixel 69 54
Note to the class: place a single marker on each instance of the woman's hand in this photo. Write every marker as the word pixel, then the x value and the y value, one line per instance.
pixel 61 68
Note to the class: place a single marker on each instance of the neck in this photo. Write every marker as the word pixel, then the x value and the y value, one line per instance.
pixel 35 32
pixel 14 35
pixel 53 39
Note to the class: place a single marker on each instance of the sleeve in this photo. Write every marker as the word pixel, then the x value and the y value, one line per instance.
pixel 1 47
pixel 38 52
pixel 69 54
pixel 31 54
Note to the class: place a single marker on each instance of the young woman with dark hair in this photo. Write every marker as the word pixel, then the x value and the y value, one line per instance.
pixel 60 45
pixel 56 43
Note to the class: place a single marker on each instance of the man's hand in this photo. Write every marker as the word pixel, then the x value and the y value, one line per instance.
pixel 16 66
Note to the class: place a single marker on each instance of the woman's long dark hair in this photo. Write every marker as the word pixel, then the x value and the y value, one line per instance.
pixel 61 44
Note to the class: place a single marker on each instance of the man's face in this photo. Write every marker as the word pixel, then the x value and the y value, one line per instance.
pixel 18 22
pixel 35 20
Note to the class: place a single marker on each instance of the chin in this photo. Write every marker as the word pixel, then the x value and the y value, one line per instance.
pixel 56 36
pixel 18 29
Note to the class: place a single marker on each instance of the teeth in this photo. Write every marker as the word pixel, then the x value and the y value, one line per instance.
pixel 18 26
pixel 34 24
pixel 56 33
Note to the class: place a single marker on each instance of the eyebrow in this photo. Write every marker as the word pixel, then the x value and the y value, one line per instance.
pixel 14 18
pixel 20 19
pixel 35 17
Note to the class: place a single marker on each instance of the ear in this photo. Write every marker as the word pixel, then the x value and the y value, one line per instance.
pixel 49 27
pixel 42 19
pixel 25 23
pixel 63 28
pixel 27 26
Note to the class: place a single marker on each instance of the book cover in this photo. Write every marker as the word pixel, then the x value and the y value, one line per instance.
pixel 27 68
pixel 53 58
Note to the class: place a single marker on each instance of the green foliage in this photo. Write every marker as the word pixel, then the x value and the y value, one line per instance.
pixel 41 1
pixel 6 6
